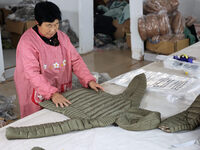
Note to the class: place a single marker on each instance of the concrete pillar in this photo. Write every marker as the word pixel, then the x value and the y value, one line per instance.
pixel 137 45
pixel 2 71
pixel 86 26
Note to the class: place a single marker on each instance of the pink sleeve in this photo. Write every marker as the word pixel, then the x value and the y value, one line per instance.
pixel 32 71
pixel 79 67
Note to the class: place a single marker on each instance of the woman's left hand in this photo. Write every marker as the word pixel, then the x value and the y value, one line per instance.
pixel 95 86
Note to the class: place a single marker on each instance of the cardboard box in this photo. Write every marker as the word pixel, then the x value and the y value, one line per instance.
pixel 181 44
pixel 167 47
pixel 119 33
pixel 128 39
pixel 15 39
pixel 3 14
pixel 18 27
pixel 126 26
pixel 6 12
pixel 106 1
pixel 122 29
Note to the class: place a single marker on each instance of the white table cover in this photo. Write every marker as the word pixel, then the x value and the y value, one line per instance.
pixel 115 138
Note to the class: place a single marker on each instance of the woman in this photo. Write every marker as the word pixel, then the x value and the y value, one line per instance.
pixel 44 62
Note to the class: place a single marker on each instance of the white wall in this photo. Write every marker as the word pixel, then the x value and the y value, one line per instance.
pixel 2 78
pixel 137 45
pixel 69 9
pixel 190 8
pixel 186 7
pixel 8 2
pixel 80 15
pixel 196 10
pixel 86 26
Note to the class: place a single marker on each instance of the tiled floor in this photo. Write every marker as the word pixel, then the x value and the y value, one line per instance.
pixel 113 62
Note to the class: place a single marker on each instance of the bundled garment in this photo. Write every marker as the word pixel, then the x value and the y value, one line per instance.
pixel 90 109
pixel 117 10
pixel 186 120
pixel 153 25
pixel 155 6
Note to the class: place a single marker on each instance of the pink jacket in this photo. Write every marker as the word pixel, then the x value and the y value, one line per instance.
pixel 42 70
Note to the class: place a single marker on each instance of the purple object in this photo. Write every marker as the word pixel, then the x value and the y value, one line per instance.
pixel 184 58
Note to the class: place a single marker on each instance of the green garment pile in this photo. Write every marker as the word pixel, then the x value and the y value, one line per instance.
pixel 186 120
pixel 90 109
pixel 118 10
pixel 189 35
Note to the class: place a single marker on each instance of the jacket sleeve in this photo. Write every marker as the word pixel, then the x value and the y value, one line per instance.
pixel 56 128
pixel 79 67
pixel 32 72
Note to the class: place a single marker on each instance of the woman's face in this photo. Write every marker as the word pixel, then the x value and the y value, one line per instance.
pixel 48 29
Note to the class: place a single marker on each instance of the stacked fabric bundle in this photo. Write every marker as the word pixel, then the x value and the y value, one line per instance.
pixel 164 25
pixel 161 18
pixel 155 6
pixel 153 25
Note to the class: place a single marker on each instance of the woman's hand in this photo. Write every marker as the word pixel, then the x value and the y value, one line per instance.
pixel 59 99
pixel 95 86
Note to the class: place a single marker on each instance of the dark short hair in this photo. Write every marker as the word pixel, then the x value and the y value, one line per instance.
pixel 46 12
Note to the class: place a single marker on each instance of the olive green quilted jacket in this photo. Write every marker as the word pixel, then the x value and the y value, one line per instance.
pixel 90 109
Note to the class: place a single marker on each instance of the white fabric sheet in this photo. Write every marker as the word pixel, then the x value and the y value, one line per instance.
pixel 108 138
pixel 114 138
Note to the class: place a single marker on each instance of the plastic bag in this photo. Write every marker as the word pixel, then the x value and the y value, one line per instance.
pixel 2 122
pixel 178 23
pixel 192 69
pixel 66 28
pixel 175 88
pixel 167 37
pixel 142 28
pixel 6 107
pixel 154 6
pixel 153 25
pixel 189 21
pixel 24 10
pixel 100 78
pixel 177 37
pixel 23 14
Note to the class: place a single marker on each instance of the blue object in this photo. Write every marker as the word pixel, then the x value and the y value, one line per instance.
pixel 184 58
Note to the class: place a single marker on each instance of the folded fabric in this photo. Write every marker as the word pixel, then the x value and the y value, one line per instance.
pixel 37 148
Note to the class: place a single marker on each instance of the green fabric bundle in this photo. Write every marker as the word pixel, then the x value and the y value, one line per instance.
pixel 37 148
pixel 186 120
pixel 90 109
pixel 189 35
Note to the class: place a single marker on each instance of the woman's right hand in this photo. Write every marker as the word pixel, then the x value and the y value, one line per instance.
pixel 59 99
